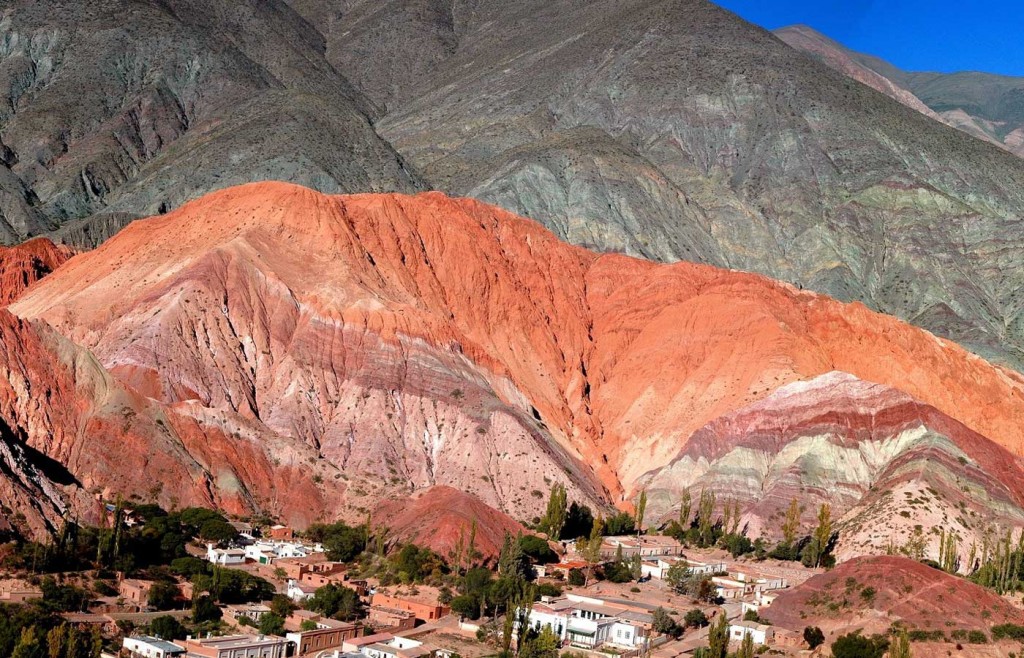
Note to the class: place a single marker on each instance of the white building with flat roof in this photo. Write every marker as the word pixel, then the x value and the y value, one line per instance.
pixel 145 646
pixel 761 633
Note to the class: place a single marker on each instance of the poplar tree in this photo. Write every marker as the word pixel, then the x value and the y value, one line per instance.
pixel 641 509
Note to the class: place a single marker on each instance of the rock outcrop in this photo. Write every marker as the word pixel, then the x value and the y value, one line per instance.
pixel 26 263
pixel 383 344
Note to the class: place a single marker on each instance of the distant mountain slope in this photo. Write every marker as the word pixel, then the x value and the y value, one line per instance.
pixel 128 109
pixel 990 107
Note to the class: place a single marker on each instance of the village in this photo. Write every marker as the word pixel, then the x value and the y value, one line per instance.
pixel 645 616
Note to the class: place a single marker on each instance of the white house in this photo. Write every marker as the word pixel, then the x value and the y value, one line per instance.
pixel 299 592
pixel 760 633
pixel 590 623
pixel 144 646
pixel 396 647
pixel 658 567
pixel 224 556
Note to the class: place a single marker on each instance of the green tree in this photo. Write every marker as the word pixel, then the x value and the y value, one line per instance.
pixel 591 552
pixel 705 518
pixel 900 647
pixel 685 510
pixel 641 509
pixel 695 618
pixel 718 637
pixel 555 516
pixel 336 601
pixel 823 533
pixel 746 646
pixel 662 622
pixel 166 627
pixel 578 521
pixel 813 637
pixel 791 526
pixel 855 645
pixel 544 644
pixel 30 645
pixel 271 624
pixel 163 595
pixel 217 531
pixel 282 606
pixel 307 625
pixel 204 609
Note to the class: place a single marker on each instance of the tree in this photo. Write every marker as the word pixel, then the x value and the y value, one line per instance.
pixel 307 625
pixel 167 628
pixel 718 637
pixel 813 637
pixel 204 609
pixel 271 624
pixel 900 647
pixel 466 606
pixel 695 618
pixel 217 531
pixel 746 647
pixel 591 552
pixel 823 533
pixel 641 509
pixel 685 510
pixel 537 549
pixel 791 526
pixel 578 521
pixel 282 606
pixel 555 516
pixel 512 561
pixel 705 518
pixel 30 645
pixel 336 601
pixel 577 578
pixel 163 595
pixel 662 622
pixel 855 645
pixel 544 644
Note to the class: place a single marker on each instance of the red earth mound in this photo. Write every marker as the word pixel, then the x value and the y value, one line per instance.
pixel 871 593
pixel 440 517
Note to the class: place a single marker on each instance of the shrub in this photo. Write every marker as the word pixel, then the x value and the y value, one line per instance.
pixel 1008 631
pixel 813 637
pixel 977 637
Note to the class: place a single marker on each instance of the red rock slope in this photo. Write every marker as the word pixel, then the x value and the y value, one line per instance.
pixel 26 263
pixel 439 516
pixel 904 590
pixel 419 340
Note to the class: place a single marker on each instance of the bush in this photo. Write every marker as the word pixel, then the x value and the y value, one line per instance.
pixel 576 578
pixel 1008 631
pixel 977 637
pixel 167 627
pixel 204 609
pixel 920 635
pixel 695 619
pixel 163 595
pixel 855 645
pixel 813 637
pixel 537 549
pixel 663 623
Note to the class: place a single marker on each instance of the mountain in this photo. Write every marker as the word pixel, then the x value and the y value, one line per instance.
pixel 353 349
pixel 987 106
pixel 116 109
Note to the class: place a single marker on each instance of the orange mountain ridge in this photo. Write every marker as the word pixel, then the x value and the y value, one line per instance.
pixel 285 307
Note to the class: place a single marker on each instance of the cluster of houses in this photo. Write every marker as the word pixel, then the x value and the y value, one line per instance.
pixel 260 551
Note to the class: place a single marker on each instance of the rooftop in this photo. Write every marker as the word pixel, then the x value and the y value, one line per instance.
pixel 238 641
pixel 157 643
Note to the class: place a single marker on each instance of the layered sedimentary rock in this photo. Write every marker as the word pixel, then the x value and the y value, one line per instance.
pixel 390 343
pixel 446 520
pixel 904 590
pixel 26 263
pixel 882 460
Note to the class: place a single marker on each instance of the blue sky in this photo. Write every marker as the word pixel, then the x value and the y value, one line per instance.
pixel 916 35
